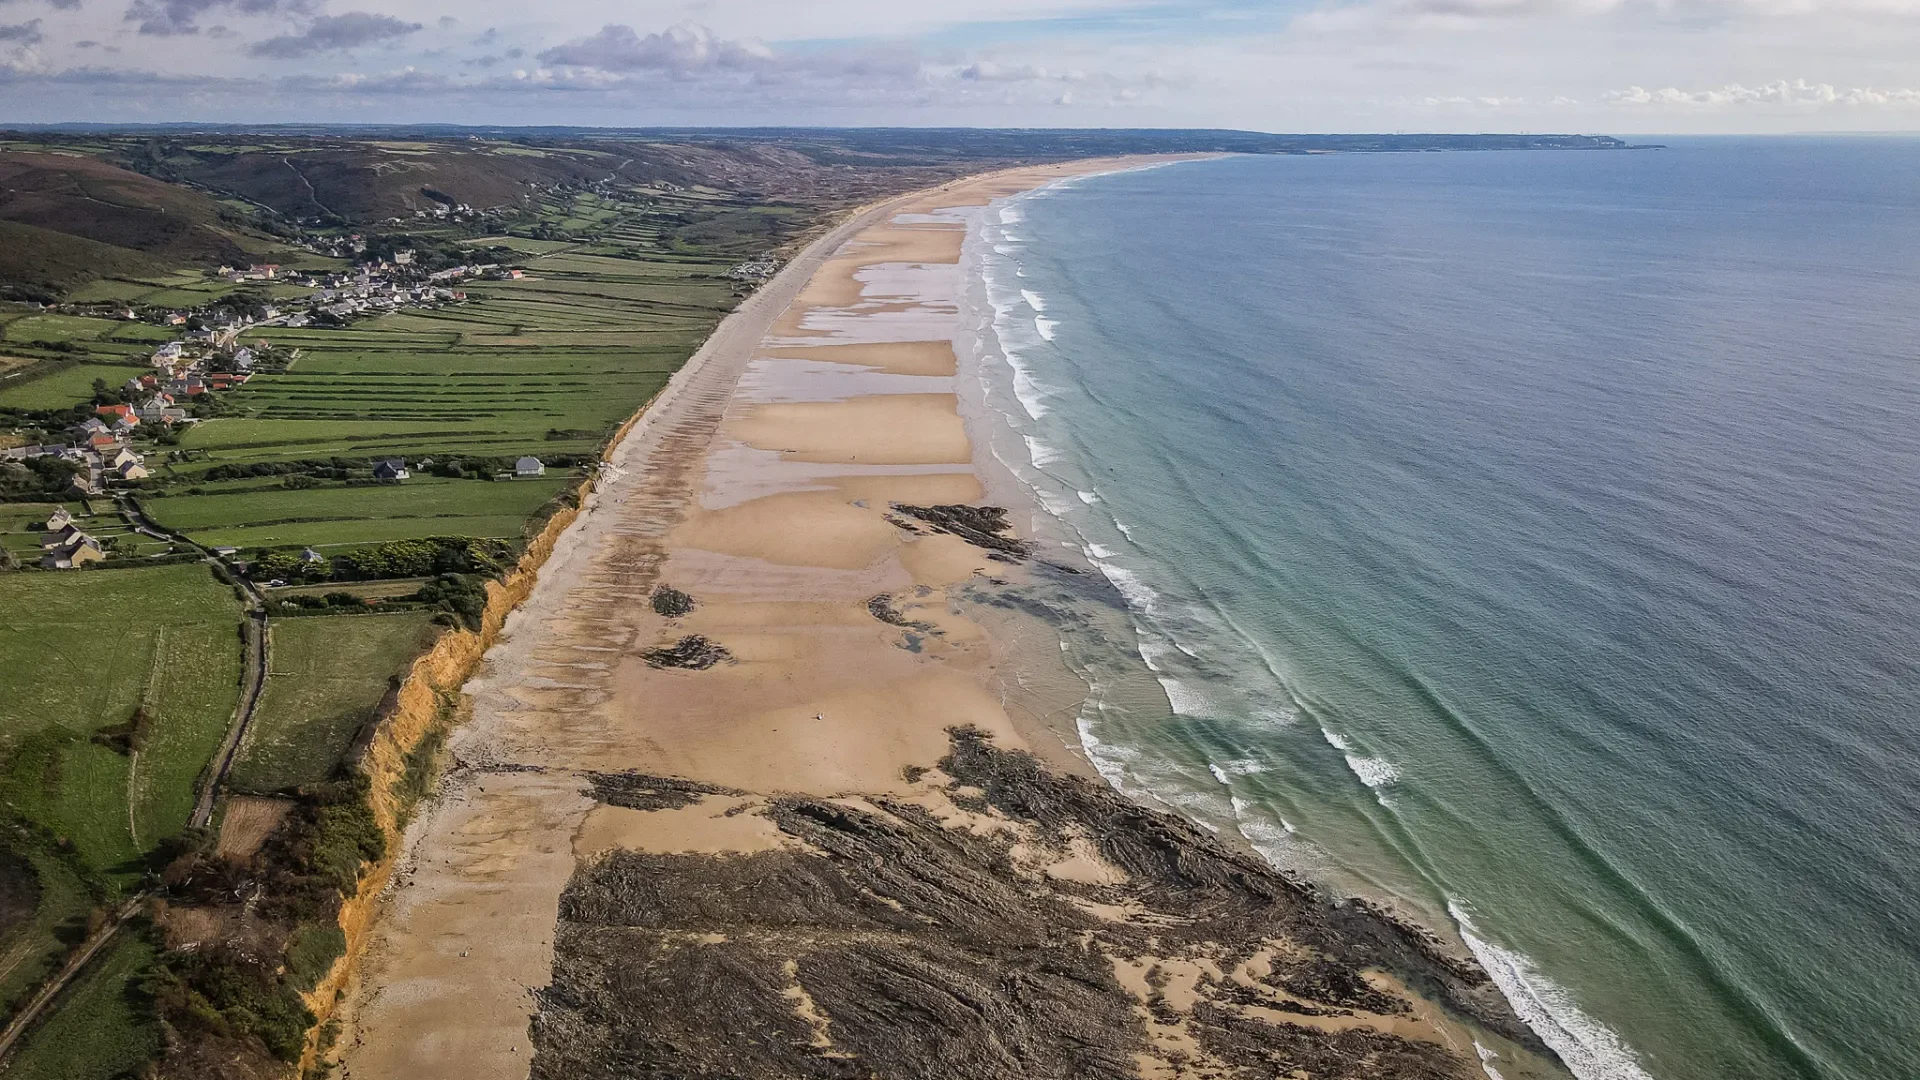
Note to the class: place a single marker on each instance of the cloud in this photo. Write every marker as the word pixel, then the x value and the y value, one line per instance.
pixel 332 33
pixel 686 47
pixel 26 33
pixel 170 18
pixel 1798 93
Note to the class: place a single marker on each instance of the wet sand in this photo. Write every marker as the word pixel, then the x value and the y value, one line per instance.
pixel 762 485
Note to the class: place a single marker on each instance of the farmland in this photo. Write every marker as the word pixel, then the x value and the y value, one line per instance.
pixel 117 689
pixel 545 365
pixel 611 290
pixel 84 652
pixel 325 683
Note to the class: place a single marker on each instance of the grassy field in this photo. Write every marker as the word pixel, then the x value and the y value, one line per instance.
pixel 83 652
pixel 328 674
pixel 101 1028
pixel 65 386
pixel 326 516
pixel 33 946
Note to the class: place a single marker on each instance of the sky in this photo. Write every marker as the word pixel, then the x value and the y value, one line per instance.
pixel 1600 66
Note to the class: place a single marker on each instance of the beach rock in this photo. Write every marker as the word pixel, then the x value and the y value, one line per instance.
pixel 693 652
pixel 638 791
pixel 898 943
pixel 881 607
pixel 670 602
pixel 981 526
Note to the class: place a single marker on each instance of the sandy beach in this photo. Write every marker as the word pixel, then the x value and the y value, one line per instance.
pixel 788 862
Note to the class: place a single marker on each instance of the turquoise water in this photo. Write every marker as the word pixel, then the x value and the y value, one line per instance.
pixel 1532 539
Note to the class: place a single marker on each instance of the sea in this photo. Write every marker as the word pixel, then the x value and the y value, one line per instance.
pixel 1529 541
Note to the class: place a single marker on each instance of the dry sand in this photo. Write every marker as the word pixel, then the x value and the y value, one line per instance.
pixel 772 511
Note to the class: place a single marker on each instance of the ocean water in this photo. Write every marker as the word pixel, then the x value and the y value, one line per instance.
pixel 1529 539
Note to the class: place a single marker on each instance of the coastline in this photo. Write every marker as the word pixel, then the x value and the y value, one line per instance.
pixel 858 717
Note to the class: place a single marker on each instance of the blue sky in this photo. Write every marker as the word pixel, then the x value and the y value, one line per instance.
pixel 1618 66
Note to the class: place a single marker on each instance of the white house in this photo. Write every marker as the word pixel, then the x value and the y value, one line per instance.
pixel 529 466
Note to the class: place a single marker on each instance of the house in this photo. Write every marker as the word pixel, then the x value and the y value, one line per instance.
pixel 169 351
pixel 124 426
pixel 242 359
pixel 132 386
pixel 75 555
pixel 391 469
pixel 112 413
pixel 87 429
pixel 66 533
pixel 119 457
pixel 59 519
pixel 529 466
pixel 130 470
pixel 309 557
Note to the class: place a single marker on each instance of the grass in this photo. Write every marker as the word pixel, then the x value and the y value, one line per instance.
pixel 60 328
pixel 83 651
pixel 423 506
pixel 328 674
pixel 33 948
pixel 101 1028
pixel 64 387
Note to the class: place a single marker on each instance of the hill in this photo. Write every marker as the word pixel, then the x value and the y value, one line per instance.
pixel 96 200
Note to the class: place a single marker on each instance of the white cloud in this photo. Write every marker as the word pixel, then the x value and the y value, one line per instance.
pixel 684 47
pixel 1798 93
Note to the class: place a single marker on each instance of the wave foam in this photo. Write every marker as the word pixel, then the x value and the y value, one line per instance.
pixel 1487 1058
pixel 1374 772
pixel 1045 326
pixel 1040 453
pixel 1138 595
pixel 1589 1048
pixel 1033 300
pixel 1187 700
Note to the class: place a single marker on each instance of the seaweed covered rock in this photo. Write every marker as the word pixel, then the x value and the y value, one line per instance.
pixel 693 652
pixel 671 603
pixel 981 526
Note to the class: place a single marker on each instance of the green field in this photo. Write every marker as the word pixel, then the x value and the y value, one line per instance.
pixel 83 651
pixel 423 506
pixel 101 1027
pixel 33 947
pixel 328 674
pixel 64 387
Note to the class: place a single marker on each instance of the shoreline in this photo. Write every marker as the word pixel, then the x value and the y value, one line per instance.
pixel 855 709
